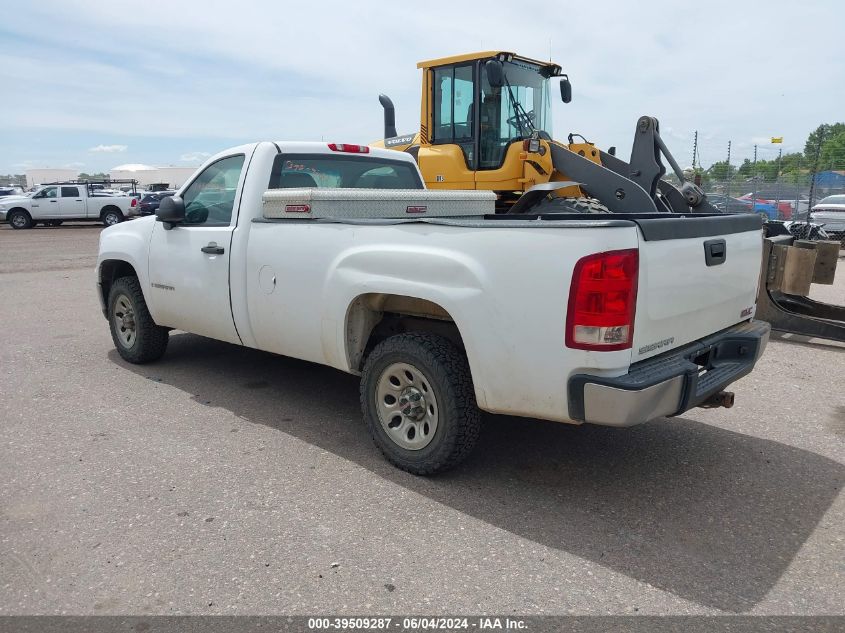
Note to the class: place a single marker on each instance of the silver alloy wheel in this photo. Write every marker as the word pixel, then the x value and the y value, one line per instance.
pixel 407 407
pixel 111 218
pixel 124 321
pixel 19 221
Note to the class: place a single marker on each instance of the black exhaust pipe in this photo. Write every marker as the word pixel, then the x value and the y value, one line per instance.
pixel 389 116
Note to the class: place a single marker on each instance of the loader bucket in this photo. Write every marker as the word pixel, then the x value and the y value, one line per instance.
pixel 789 267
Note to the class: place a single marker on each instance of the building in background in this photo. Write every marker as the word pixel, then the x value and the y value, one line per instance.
pixel 173 177
pixel 40 176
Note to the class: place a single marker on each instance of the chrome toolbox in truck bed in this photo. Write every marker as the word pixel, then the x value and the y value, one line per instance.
pixel 375 203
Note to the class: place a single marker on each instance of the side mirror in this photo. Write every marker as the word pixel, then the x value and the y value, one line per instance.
pixel 495 73
pixel 565 90
pixel 171 210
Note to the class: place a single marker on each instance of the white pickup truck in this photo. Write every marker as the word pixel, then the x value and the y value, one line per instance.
pixel 611 319
pixel 53 204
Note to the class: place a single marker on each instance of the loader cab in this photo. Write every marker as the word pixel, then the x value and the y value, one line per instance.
pixel 477 113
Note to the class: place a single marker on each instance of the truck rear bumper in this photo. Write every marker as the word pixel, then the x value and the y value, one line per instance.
pixel 671 383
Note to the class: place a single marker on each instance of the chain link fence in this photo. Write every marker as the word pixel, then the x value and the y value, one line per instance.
pixel 763 179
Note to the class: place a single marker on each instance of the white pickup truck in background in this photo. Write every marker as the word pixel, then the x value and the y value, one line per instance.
pixel 53 204
pixel 612 319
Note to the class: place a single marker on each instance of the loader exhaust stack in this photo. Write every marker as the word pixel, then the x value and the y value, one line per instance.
pixel 389 116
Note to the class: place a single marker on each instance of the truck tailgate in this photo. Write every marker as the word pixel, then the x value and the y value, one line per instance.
pixel 698 275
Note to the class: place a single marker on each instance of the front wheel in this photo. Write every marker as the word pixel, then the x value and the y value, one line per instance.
pixel 419 402
pixel 136 336
pixel 568 205
pixel 20 220
pixel 111 217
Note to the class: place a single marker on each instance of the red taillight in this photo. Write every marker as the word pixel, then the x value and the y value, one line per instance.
pixel 134 202
pixel 351 149
pixel 603 301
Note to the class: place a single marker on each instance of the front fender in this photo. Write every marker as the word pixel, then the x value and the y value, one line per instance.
pixel 127 242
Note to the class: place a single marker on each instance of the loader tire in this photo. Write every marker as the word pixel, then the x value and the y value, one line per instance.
pixel 569 205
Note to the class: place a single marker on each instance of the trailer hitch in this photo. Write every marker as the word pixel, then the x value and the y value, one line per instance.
pixel 722 399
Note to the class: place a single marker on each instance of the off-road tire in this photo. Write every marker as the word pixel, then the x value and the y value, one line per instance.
pixel 447 370
pixel 20 219
pixel 150 341
pixel 568 205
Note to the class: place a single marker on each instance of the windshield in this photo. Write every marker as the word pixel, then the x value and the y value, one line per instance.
pixel 834 200
pixel 514 110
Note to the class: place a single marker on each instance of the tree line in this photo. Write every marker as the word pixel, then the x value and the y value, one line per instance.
pixel 823 150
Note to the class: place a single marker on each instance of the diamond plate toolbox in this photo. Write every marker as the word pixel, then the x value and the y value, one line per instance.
pixel 375 203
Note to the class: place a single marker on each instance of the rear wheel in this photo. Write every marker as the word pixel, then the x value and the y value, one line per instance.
pixel 20 219
pixel 419 403
pixel 568 205
pixel 111 216
pixel 136 336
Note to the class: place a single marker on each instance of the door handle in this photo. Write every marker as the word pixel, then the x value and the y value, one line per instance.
pixel 213 249
pixel 715 252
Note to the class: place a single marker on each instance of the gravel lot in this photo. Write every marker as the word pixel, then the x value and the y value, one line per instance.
pixel 225 480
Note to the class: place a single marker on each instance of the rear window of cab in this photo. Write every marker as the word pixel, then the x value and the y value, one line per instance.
pixel 294 171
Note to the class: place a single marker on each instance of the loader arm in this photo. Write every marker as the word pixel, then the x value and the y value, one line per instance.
pixel 617 192
pixel 636 186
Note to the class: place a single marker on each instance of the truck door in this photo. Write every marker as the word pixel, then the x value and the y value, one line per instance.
pixel 45 203
pixel 449 162
pixel 189 264
pixel 71 202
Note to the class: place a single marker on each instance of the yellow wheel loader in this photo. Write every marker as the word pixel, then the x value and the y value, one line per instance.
pixel 485 124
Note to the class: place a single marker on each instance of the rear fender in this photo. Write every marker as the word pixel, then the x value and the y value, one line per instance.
pixel 440 276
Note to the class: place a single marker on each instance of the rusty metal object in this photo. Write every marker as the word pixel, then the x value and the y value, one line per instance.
pixel 790 311
pixel 827 254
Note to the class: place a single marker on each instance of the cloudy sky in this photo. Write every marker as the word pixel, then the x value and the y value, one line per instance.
pixel 94 84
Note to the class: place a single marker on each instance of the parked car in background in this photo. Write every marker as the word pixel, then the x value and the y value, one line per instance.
pixel 784 207
pixel 151 201
pixel 830 212
pixel 11 190
pixel 726 204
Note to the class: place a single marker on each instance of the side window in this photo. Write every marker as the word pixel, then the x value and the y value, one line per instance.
pixel 463 98
pixel 48 192
pixel 454 106
pixel 209 200
pixel 442 104
pixel 70 192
